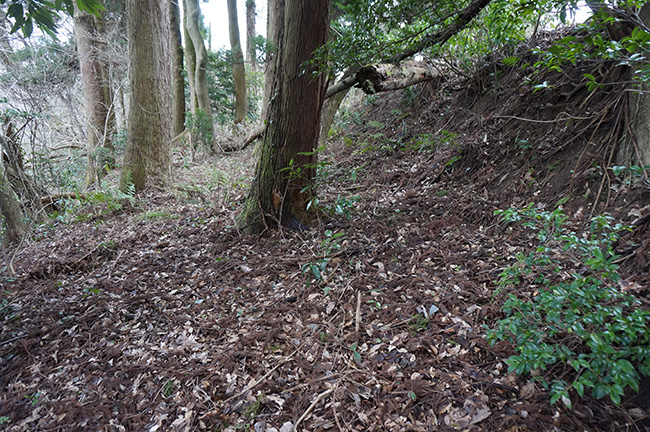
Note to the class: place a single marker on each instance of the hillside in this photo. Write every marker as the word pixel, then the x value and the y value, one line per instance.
pixel 159 314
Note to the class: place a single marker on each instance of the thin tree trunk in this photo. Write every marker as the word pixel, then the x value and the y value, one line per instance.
pixel 11 218
pixel 149 126
pixel 274 32
pixel 286 167
pixel 192 16
pixel 98 95
pixel 5 46
pixel 274 23
pixel 250 33
pixel 329 112
pixel 178 109
pixel 238 69
pixel 190 65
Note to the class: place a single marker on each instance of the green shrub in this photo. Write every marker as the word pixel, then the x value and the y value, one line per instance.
pixel 578 321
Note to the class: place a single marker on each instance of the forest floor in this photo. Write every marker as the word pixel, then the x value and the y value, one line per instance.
pixel 159 314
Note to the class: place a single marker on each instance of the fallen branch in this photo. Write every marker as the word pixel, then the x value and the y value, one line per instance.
pixel 178 138
pixel 259 381
pixel 51 199
pixel 254 135
pixel 311 407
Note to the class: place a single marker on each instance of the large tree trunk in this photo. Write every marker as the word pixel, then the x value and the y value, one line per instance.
pixel 238 69
pixel 250 33
pixel 149 126
pixel 178 108
pixel 280 190
pixel 351 77
pixel 98 95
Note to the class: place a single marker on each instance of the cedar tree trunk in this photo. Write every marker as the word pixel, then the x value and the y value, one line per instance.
pixel 284 172
pixel 149 124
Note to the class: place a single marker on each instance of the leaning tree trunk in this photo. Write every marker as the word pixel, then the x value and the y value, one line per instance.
pixel 250 34
pixel 178 108
pixel 98 95
pixel 330 109
pixel 149 125
pixel 192 16
pixel 238 69
pixel 285 170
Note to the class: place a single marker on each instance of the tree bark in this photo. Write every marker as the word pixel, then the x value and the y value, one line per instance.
pixel 178 108
pixel 330 109
pixel 149 125
pixel 190 66
pixel 192 16
pixel 250 33
pixel 274 23
pixel 238 69
pixel 11 223
pixel 98 95
pixel 286 167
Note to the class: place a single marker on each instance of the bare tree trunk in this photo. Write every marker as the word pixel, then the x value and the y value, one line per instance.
pixel 192 16
pixel 250 33
pixel 286 168
pixel 149 126
pixel 5 46
pixel 329 112
pixel 190 66
pixel 274 23
pixel 98 95
pixel 178 108
pixel 11 218
pixel 238 69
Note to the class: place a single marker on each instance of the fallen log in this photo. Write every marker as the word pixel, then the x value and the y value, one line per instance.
pixel 387 77
pixel 51 199
pixel 463 18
